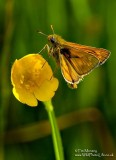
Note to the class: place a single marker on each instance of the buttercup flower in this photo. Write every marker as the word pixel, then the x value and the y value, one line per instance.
pixel 33 80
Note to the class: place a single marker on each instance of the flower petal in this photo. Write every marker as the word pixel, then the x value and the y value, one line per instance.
pixel 47 90
pixel 25 97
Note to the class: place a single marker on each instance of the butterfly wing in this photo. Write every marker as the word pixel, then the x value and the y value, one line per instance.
pixel 101 54
pixel 76 63
pixel 68 72
pixel 77 60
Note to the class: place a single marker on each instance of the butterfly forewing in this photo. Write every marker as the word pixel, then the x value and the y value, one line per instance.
pixel 101 54
pixel 76 61
pixel 80 61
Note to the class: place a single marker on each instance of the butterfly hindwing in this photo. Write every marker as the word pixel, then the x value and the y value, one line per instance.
pixel 68 72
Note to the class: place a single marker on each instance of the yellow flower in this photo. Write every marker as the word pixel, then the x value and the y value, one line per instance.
pixel 33 80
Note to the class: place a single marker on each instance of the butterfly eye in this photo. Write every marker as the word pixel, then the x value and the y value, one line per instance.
pixel 52 40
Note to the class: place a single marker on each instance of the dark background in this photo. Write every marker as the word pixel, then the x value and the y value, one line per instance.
pixel 91 108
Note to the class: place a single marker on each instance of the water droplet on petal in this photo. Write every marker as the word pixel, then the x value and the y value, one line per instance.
pixel 22 79
pixel 27 86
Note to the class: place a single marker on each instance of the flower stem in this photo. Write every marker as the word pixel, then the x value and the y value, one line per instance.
pixel 55 131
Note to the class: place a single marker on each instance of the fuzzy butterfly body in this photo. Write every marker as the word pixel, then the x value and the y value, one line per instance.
pixel 75 60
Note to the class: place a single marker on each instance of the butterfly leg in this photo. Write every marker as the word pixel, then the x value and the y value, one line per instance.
pixel 45 47
pixel 49 53
pixel 49 50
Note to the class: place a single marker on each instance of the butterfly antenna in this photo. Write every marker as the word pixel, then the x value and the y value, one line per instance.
pixel 42 33
pixel 52 29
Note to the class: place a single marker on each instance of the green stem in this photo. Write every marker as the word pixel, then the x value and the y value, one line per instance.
pixel 55 131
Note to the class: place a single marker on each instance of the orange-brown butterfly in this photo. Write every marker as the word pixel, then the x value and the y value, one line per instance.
pixel 75 60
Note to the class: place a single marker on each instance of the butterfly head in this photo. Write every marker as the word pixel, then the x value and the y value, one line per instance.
pixel 52 39
pixel 55 40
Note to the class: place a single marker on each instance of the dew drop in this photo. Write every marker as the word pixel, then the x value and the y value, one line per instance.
pixel 22 79
pixel 27 86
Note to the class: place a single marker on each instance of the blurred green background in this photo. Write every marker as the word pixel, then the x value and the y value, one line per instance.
pixel 86 116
